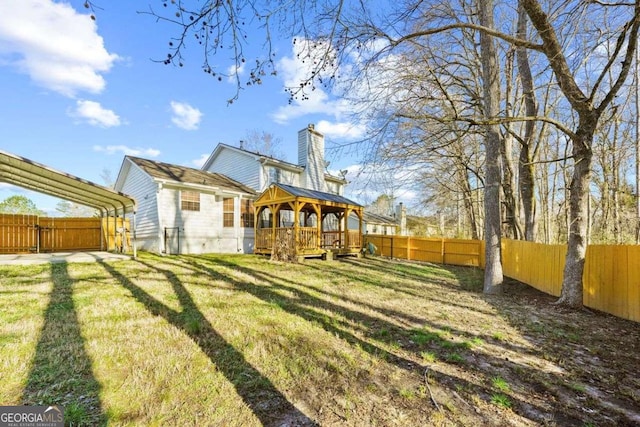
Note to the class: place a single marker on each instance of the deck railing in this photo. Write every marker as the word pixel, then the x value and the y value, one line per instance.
pixel 336 239
pixel 307 238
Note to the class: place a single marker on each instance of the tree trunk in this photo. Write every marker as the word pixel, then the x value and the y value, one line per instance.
pixel 578 215
pixel 526 171
pixel 491 87
pixel 510 203
pixel 467 198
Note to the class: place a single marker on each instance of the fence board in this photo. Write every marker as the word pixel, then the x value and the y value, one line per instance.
pixel 633 276
pixel 30 233
pixel 18 233
pixel 112 233
pixel 611 280
pixel 427 250
pixel 535 264
pixel 441 251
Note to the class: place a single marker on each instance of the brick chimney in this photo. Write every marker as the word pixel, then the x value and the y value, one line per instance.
pixel 311 157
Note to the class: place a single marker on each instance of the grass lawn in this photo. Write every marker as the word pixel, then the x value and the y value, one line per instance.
pixel 242 341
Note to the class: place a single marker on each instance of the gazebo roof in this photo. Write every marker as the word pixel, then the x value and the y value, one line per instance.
pixel 282 194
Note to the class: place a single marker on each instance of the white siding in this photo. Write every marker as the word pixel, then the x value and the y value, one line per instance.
pixel 311 156
pixel 202 231
pixel 140 185
pixel 274 174
pixel 334 187
pixel 241 167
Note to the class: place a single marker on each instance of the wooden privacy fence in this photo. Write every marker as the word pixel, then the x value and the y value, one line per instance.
pixel 611 280
pixel 439 251
pixel 33 234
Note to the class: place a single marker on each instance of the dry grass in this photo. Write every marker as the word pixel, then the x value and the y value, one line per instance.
pixel 240 340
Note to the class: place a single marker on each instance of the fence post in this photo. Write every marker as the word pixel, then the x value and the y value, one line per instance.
pixel 408 248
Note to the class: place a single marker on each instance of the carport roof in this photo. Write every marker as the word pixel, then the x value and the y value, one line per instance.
pixel 34 176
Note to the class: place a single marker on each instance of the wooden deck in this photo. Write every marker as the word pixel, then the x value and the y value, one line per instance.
pixel 308 243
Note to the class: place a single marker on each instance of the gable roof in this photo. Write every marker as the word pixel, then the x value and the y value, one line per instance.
pixel 263 158
pixel 266 160
pixel 296 192
pixel 374 218
pixel 320 195
pixel 34 176
pixel 187 175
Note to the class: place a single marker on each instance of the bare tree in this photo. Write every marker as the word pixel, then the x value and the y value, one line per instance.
pixel 263 142
pixel 340 33
pixel 493 143
pixel 528 149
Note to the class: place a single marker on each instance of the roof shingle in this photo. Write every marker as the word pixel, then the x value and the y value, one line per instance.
pixel 183 174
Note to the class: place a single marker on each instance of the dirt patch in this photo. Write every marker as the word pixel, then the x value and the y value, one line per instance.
pixel 597 356
pixel 511 359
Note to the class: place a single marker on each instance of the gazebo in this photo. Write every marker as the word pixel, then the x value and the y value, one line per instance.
pixel 311 223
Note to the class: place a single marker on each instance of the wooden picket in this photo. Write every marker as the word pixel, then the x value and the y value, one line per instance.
pixel 31 234
pixel 535 264
pixel 439 251
pixel 18 233
pixel 611 280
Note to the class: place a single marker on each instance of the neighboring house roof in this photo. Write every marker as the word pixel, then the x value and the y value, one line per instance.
pixel 186 175
pixel 373 218
pixel 266 160
pixel 313 194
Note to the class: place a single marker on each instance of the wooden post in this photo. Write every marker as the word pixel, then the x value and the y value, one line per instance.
pixel 347 211
pixel 274 219
pixel 318 210
pixel 296 226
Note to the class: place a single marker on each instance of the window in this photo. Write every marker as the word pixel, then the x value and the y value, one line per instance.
pixel 190 200
pixel 228 212
pixel 247 214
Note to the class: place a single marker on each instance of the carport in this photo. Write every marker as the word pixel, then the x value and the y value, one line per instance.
pixel 34 176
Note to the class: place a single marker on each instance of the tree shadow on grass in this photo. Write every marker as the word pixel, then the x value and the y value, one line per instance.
pixel 597 353
pixel 267 403
pixel 313 309
pixel 61 372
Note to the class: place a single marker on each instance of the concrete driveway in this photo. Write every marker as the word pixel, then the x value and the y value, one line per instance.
pixel 24 259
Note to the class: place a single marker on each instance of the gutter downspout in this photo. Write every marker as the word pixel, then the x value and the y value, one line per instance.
pixel 102 229
pixel 133 237
pixel 161 248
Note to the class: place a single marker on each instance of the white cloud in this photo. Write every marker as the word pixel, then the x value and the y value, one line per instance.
pixel 129 151
pixel 59 48
pixel 293 70
pixel 185 116
pixel 233 70
pixel 297 68
pixel 350 100
pixel 8 187
pixel 341 130
pixel 199 162
pixel 95 114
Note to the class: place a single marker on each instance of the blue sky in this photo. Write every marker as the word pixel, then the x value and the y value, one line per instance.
pixel 79 94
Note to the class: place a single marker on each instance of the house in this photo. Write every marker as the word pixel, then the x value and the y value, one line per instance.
pixel 258 171
pixel 186 210
pixel 375 223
